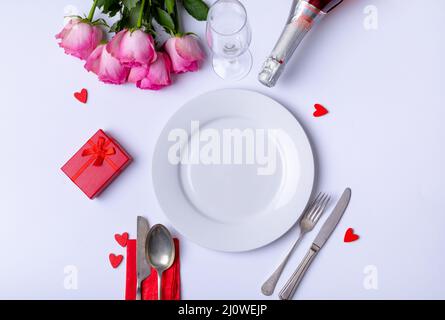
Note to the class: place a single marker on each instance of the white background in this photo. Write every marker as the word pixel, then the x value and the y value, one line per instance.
pixel 383 137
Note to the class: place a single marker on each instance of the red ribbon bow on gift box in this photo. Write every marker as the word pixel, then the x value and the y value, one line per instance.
pixel 99 151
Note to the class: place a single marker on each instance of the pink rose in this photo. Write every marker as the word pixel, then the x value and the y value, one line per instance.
pixel 132 48
pixel 79 38
pixel 153 77
pixel 107 68
pixel 185 53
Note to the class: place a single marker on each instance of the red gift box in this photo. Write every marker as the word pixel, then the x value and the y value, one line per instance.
pixel 96 164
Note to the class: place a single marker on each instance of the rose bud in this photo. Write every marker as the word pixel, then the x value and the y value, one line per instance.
pixel 155 76
pixel 132 48
pixel 107 68
pixel 79 38
pixel 185 53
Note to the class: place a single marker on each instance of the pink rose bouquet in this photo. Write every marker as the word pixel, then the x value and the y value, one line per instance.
pixel 133 54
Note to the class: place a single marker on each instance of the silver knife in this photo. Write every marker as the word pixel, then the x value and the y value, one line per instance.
pixel 325 232
pixel 142 267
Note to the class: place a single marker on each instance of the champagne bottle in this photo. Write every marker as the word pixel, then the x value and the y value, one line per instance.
pixel 304 14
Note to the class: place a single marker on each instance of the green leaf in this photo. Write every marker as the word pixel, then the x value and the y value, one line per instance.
pixel 198 9
pixel 109 7
pixel 133 16
pixel 128 19
pixel 165 20
pixel 117 26
pixel 170 5
pixel 130 4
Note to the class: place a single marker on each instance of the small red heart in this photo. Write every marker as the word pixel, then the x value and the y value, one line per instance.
pixel 82 96
pixel 350 235
pixel 121 238
pixel 115 260
pixel 319 110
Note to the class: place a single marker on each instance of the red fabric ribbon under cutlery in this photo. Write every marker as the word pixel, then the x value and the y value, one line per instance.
pixel 171 278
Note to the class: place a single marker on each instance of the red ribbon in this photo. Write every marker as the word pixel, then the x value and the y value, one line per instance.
pixel 99 153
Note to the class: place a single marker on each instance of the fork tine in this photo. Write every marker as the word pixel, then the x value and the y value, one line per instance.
pixel 321 209
pixel 317 198
pixel 311 206
pixel 317 206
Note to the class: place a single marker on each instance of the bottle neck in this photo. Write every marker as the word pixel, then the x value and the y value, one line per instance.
pixel 302 18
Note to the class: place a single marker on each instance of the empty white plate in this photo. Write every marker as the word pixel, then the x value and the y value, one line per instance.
pixel 233 170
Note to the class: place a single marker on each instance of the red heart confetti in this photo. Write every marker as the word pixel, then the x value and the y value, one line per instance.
pixel 319 110
pixel 121 239
pixel 82 96
pixel 350 235
pixel 115 260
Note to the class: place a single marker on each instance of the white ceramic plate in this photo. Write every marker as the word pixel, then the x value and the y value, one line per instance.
pixel 228 200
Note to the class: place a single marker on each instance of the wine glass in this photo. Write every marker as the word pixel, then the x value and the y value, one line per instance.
pixel 228 36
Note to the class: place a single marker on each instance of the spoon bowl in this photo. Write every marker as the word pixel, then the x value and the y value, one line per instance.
pixel 160 251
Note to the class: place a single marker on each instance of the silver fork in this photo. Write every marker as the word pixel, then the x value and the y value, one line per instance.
pixel 307 223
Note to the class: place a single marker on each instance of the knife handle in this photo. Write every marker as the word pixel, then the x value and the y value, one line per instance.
pixel 292 284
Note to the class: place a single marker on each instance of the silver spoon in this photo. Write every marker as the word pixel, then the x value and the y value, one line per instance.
pixel 160 251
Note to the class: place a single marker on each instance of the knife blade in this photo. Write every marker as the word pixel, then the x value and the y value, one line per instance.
pixel 330 224
pixel 142 267
pixel 323 235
